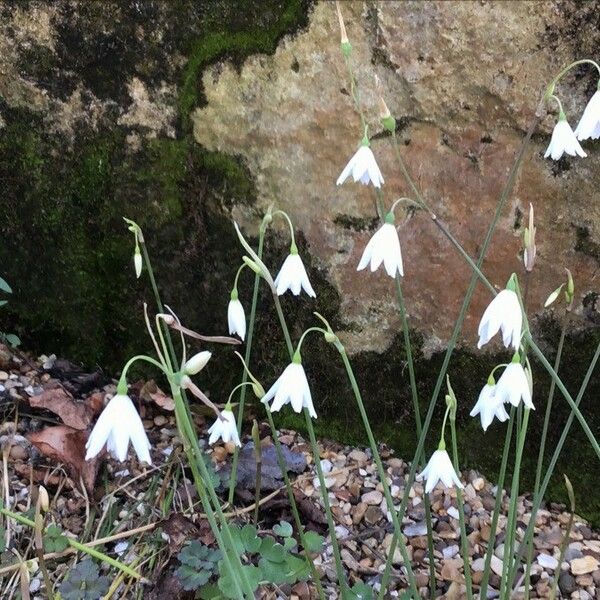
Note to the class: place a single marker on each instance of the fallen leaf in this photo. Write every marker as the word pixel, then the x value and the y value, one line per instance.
pixel 150 392
pixel 67 445
pixel 77 415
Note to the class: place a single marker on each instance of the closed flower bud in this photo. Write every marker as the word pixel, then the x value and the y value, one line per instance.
pixel 252 264
pixel 195 364
pixel 43 498
pixel 387 120
pixel 137 262
pixel 530 249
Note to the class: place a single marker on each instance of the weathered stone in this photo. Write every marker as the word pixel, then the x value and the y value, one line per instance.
pixel 586 564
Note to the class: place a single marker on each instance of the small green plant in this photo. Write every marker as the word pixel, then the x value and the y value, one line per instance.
pixel 198 565
pixel 54 540
pixel 84 582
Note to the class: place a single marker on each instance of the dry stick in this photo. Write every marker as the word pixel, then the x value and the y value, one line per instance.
pixel 458 325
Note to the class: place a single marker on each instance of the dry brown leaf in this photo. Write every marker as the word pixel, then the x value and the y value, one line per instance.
pixel 67 445
pixel 77 415
pixel 150 392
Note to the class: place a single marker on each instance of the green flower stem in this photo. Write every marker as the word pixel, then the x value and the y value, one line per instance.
pixel 540 460
pixel 461 515
pixel 542 449
pixel 344 589
pixel 202 482
pixel 355 95
pixel 316 455
pixel 292 500
pixel 417 410
pixel 77 545
pixel 458 325
pixel 537 501
pixel 511 525
pixel 497 507
pixel 247 355
pixel 144 358
pixel 290 226
pixel 445 231
pixel 553 83
pixel 378 462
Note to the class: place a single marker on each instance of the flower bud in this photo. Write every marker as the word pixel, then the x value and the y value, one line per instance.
pixel 570 291
pixel 259 390
pixel 530 249
pixel 553 296
pixel 195 364
pixel 385 116
pixel 330 337
pixel 137 262
pixel 252 265
pixel 43 498
pixel 344 42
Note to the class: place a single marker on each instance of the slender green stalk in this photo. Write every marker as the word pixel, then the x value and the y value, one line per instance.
pixel 537 500
pixel 509 542
pixel 316 456
pixel 417 411
pixel 328 514
pixel 541 453
pixel 461 515
pixel 77 545
pixel 459 322
pixel 542 449
pixel 497 507
pixel 292 500
pixel 249 338
pixel 379 464
pixel 566 539
pixel 201 475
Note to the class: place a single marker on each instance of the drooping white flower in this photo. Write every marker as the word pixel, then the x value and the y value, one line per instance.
pixel 224 428
pixel 292 276
pixel 363 167
pixel 117 425
pixel 489 406
pixel 291 387
pixel 514 385
pixel 236 318
pixel 197 362
pixel 383 247
pixel 563 140
pixel 589 124
pixel 439 468
pixel 503 312
pixel 137 262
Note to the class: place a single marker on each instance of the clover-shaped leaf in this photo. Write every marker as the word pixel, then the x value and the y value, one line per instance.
pixel 198 563
pixel 283 529
pixel 313 542
pixel 84 582
pixel 361 591
pixel 250 538
pixel 227 586
pixel 55 541
pixel 271 550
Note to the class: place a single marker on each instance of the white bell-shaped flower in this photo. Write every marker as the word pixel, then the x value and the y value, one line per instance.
pixel 118 424
pixel 293 276
pixel 291 387
pixel 137 262
pixel 489 406
pixel 563 140
pixel 589 124
pixel 513 385
pixel 439 468
pixel 224 428
pixel 363 167
pixel 503 312
pixel 236 317
pixel 383 247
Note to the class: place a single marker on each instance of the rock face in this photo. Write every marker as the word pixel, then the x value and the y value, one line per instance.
pixel 185 115
pixel 463 80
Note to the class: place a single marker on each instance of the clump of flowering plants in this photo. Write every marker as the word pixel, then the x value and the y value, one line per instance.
pixel 245 559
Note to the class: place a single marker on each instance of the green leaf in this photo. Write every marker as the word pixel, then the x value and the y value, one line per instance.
pixel 284 529
pixel 236 535
pixel 289 543
pixel 84 582
pixel 298 568
pixel 210 592
pixel 2 539
pixel 3 302
pixel 273 572
pixel 313 542
pixel 55 541
pixel 190 578
pixel 227 586
pixel 271 550
pixel 198 564
pixel 4 286
pixel 13 339
pixel 361 591
pixel 250 539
